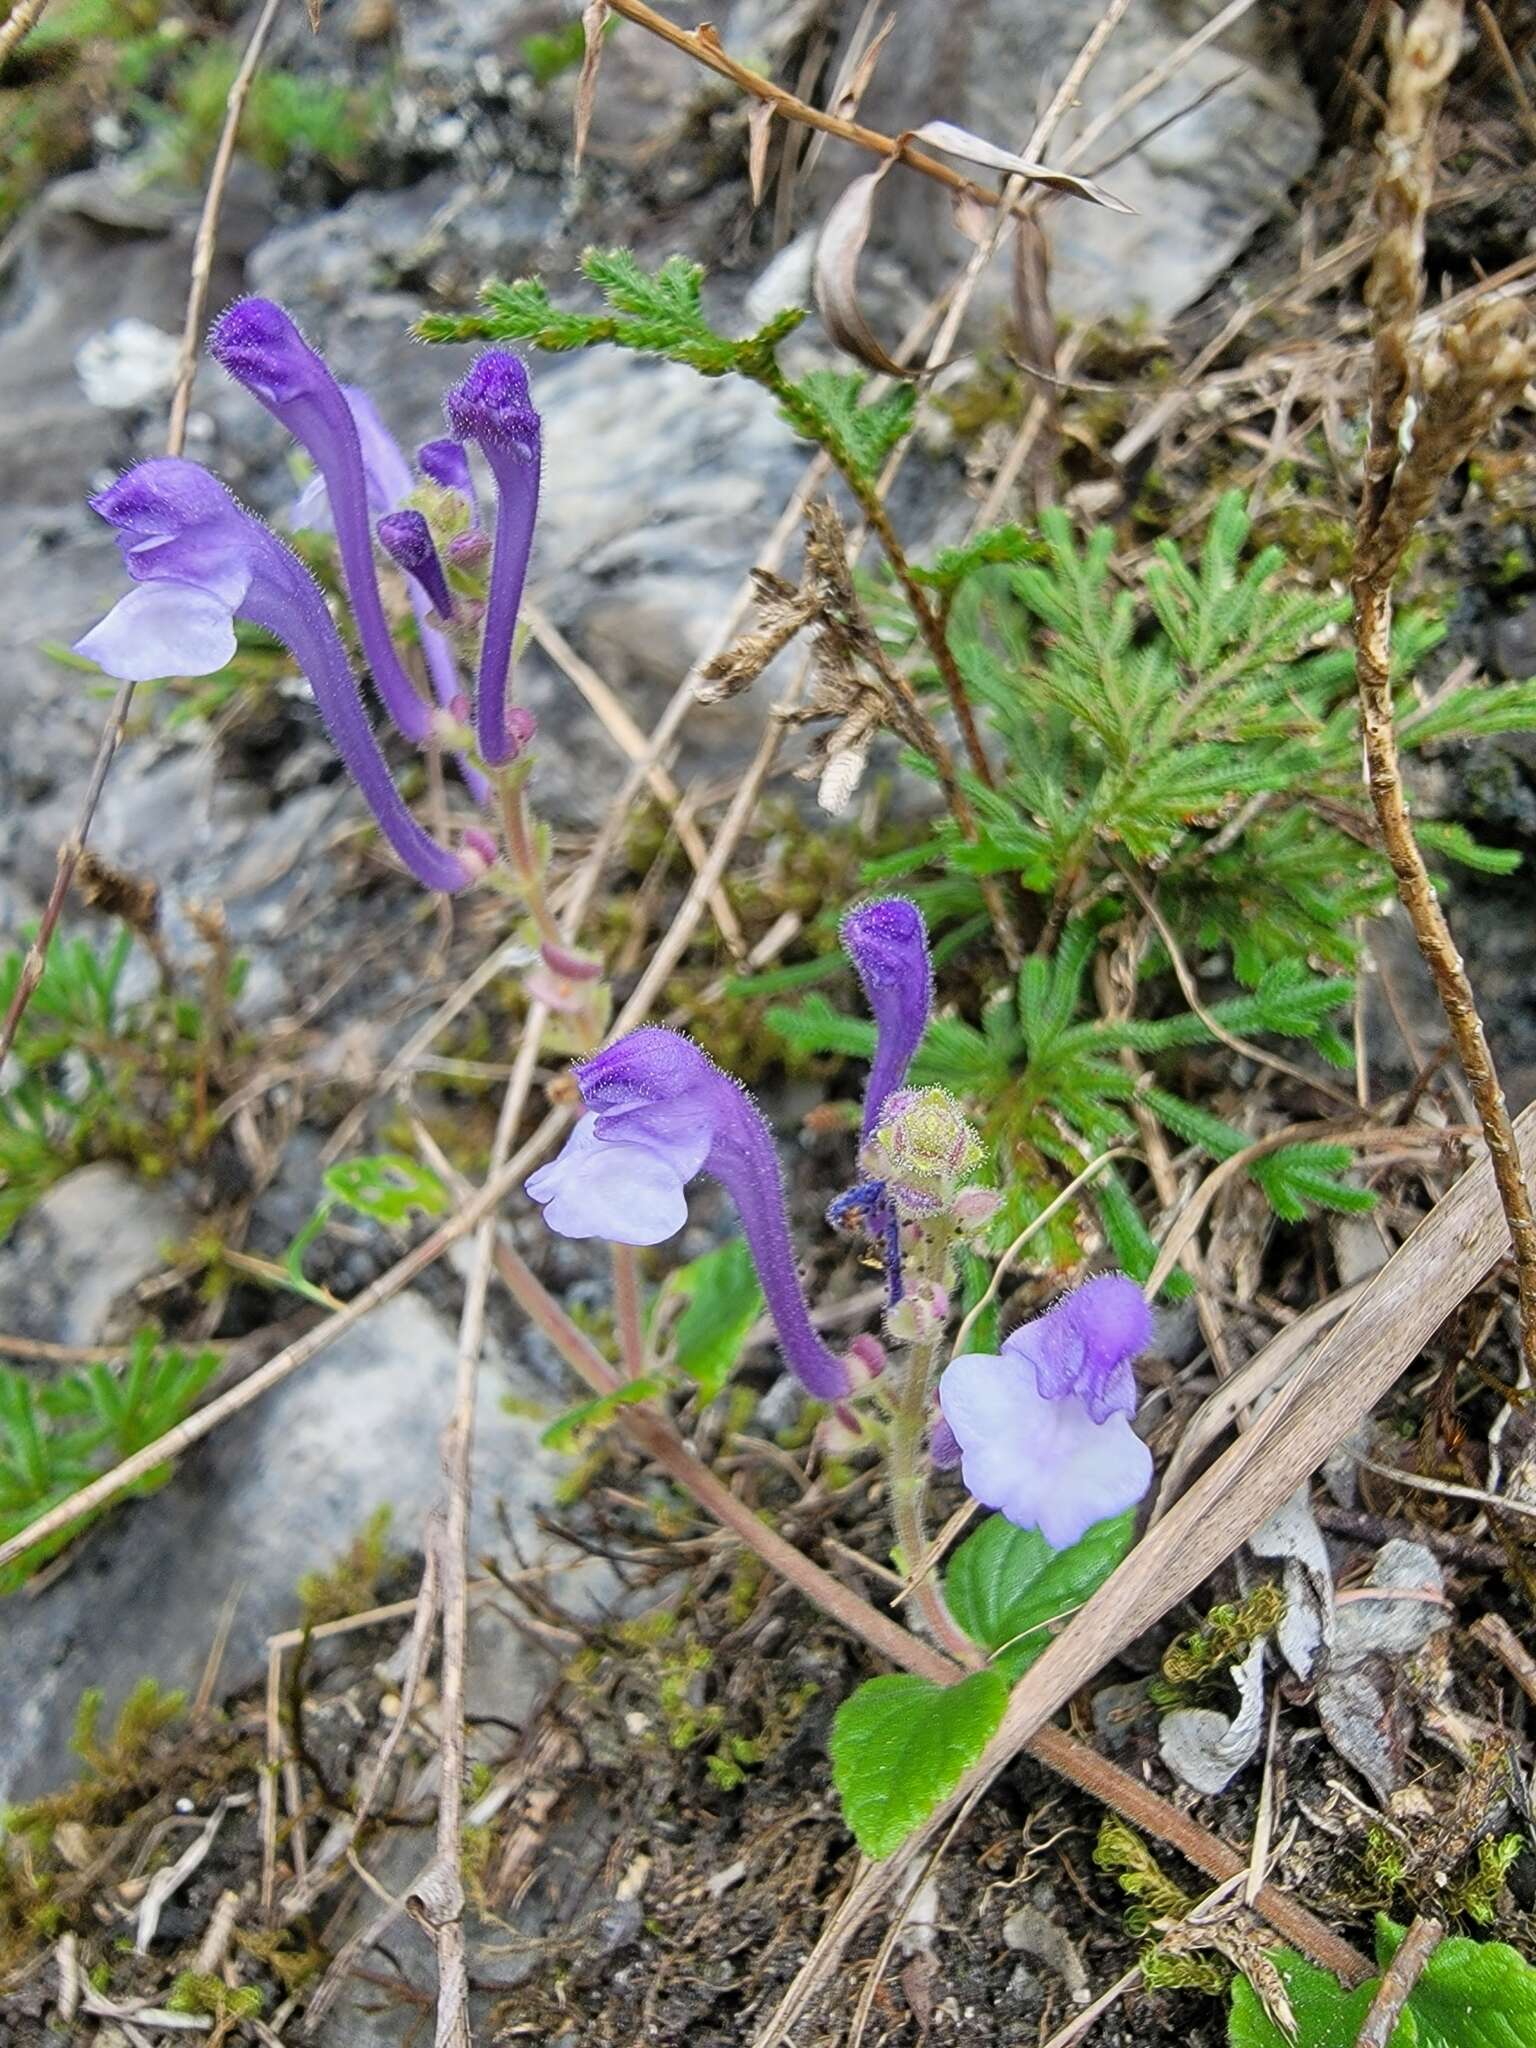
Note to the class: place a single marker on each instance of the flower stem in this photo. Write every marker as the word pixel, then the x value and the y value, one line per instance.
pixel 523 857
pixel 909 1485
pixel 626 1304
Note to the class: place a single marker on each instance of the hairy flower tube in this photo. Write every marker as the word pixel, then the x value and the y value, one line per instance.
pixel 491 407
pixel 658 1112
pixel 199 561
pixel 888 944
pixel 1043 1430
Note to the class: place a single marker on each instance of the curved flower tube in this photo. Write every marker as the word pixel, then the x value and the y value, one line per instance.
pixel 262 349
pixel 199 561
pixel 660 1111
pixel 888 944
pixel 492 408
pixel 1043 1430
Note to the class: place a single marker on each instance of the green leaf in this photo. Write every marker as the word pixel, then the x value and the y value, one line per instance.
pixel 1473 1994
pixel 830 401
pixel 724 1301
pixel 1456 843
pixel 388 1186
pixel 1004 1584
pixel 569 1431
pixel 1327 2016
pixel 901 1744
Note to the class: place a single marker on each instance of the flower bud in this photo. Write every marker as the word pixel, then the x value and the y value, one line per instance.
pixel 923 1148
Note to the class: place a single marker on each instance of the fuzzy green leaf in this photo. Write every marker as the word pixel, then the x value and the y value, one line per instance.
pixel 900 1744
pixel 1472 1994
pixel 868 432
pixel 1005 1584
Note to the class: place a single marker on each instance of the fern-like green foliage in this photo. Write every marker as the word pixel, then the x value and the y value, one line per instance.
pixel 661 314
pixel 1051 1090
pixel 1204 725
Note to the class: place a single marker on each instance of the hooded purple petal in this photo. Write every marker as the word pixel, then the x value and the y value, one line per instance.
pixel 260 347
pixel 1044 1464
pixel 888 945
pixel 407 540
pixel 492 407
pixel 1085 1344
pixel 183 535
pixel 445 462
pixel 660 1112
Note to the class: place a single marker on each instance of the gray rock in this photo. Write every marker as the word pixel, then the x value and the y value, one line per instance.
pixel 280 1490
pixel 1200 187
pixel 80 1251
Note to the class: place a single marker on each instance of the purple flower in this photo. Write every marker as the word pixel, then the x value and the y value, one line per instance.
pixel 445 462
pixel 199 561
pixel 388 483
pixel 1043 1430
pixel 257 343
pixel 658 1112
pixel 888 944
pixel 491 407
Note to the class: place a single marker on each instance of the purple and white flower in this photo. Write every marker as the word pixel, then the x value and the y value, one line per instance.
pixel 658 1112
pixel 199 561
pixel 1043 1430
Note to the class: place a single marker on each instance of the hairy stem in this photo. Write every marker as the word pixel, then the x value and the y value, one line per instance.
pixel 909 1485
pixel 626 1307
pixel 524 858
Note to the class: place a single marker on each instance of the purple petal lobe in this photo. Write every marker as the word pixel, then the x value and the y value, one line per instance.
pixel 1045 1464
pixel 1085 1343
pixel 492 406
pixel 445 462
pixel 162 629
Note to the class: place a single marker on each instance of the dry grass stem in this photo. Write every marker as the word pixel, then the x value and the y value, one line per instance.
pixel 1396 1986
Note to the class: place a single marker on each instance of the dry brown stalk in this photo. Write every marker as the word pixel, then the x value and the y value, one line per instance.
pixel 1384 1331
pixel 1463 384
pixel 1396 1986
pixel 21 20
pixel 72 849
pixel 703 45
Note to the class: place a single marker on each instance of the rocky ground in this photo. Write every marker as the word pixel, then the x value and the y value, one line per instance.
pixel 659 493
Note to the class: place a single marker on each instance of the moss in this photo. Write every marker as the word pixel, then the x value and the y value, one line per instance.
pixel 353 1583
pixel 1196 1664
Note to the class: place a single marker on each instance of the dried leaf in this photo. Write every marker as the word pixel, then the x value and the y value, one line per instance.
pixel 953 141
pixel 973 220
pixel 314 7
pixel 850 91
pixel 1207 1749
pixel 1412 1607
pixel 759 123
pixel 594 20
pixel 1306 1628
pixel 835 277
pixel 1368 1721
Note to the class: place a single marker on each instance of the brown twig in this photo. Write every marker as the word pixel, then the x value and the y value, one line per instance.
pixel 21 21
pixel 703 45
pixel 73 847
pixel 1479 369
pixel 1496 1635
pixel 1396 1986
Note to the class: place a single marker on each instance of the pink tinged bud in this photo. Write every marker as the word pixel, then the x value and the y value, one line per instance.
pixel 492 408
pixel 407 540
pixel 839 1432
pixel 478 851
pixel 572 966
pixel 974 1208
pixel 920 1315
pixel 522 730
pixel 865 1360
pixel 470 549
